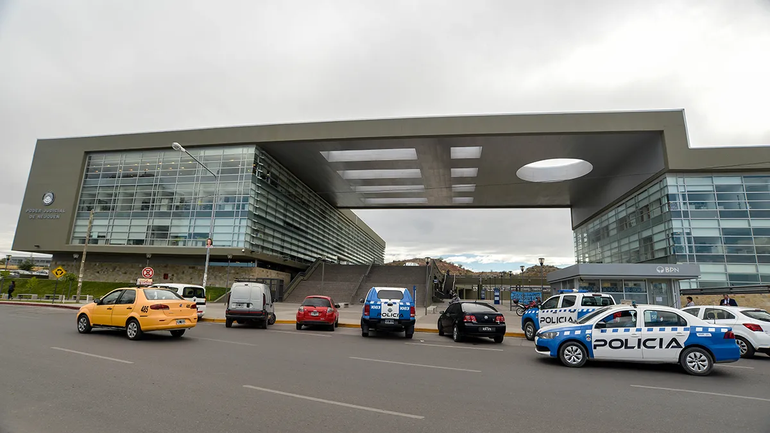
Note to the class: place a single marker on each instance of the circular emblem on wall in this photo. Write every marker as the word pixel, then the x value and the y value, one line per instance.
pixel 48 198
pixel 660 269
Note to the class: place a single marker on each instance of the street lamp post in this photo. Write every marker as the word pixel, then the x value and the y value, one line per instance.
pixel 74 263
pixel 178 147
pixel 521 278
pixel 227 282
pixel 542 274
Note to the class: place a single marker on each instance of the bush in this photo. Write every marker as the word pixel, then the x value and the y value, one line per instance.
pixel 27 265
pixel 32 284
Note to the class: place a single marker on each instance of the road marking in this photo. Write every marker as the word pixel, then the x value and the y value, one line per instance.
pixel 91 354
pixel 456 347
pixel 736 366
pixel 415 365
pixel 702 392
pixel 224 341
pixel 337 403
pixel 304 333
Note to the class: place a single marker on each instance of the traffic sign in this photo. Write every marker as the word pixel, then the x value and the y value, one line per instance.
pixel 147 272
pixel 58 272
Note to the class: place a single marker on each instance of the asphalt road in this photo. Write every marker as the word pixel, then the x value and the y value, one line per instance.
pixel 277 380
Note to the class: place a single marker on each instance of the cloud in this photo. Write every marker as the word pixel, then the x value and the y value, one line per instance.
pixel 90 67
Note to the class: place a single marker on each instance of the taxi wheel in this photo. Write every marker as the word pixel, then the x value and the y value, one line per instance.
pixel 747 350
pixel 696 361
pixel 177 333
pixel 440 329
pixel 573 354
pixel 456 336
pixel 133 330
pixel 84 325
pixel 228 323
pixel 529 330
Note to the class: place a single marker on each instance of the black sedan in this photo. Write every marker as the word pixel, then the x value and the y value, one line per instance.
pixel 472 319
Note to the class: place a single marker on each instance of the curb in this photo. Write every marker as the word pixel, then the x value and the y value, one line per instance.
pixel 40 304
pixel 353 325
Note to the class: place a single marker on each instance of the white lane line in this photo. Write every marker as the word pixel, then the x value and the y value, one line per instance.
pixel 303 333
pixel 337 403
pixel 415 365
pixel 91 354
pixel 702 392
pixel 735 366
pixel 224 341
pixel 456 347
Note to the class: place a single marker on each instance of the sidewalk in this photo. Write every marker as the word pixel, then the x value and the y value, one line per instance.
pixel 351 317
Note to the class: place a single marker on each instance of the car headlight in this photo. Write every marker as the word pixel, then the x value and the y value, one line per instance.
pixel 548 335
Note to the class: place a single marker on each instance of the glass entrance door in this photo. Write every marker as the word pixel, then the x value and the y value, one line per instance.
pixel 660 292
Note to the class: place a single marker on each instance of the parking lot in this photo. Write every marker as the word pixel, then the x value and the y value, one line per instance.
pixel 280 379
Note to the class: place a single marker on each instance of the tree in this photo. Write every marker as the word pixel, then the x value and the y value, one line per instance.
pixel 32 284
pixel 27 265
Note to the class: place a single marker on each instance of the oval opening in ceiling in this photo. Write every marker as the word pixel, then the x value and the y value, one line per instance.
pixel 554 170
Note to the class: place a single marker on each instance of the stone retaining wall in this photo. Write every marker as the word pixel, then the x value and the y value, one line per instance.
pixel 757 300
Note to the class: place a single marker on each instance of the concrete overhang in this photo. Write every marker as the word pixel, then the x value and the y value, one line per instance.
pixel 684 271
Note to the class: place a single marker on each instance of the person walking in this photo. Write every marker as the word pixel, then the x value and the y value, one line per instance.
pixel 11 289
pixel 726 300
pixel 690 303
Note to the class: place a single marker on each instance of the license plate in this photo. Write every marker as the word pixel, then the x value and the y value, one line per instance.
pixel 180 322
pixel 314 313
pixel 487 328
pixel 390 322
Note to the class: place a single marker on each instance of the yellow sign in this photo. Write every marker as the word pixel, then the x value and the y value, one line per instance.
pixel 58 272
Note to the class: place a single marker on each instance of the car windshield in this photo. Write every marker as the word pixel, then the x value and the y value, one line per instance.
pixel 390 294
pixel 316 302
pixel 160 295
pixel 478 308
pixel 757 314
pixel 590 316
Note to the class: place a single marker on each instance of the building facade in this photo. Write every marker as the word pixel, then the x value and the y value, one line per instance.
pixel 720 221
pixel 163 198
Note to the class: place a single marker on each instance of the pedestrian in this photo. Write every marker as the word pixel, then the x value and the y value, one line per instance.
pixel 726 300
pixel 11 289
pixel 690 303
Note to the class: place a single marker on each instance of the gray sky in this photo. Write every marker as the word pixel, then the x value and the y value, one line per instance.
pixel 104 67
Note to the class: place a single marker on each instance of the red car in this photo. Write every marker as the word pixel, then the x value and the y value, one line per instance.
pixel 318 310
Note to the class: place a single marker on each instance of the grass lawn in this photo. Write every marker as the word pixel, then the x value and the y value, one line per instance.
pixel 97 289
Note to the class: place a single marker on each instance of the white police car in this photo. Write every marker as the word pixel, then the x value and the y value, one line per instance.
pixel 566 307
pixel 640 333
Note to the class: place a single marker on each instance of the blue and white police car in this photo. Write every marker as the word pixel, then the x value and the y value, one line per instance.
pixel 388 309
pixel 566 307
pixel 640 333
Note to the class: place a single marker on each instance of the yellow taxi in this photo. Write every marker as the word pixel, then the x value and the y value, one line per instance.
pixel 139 310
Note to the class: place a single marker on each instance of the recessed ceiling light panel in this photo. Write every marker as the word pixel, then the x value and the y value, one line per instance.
pixel 406 154
pixel 472 152
pixel 388 188
pixel 396 200
pixel 408 173
pixel 462 200
pixel 465 172
pixel 464 188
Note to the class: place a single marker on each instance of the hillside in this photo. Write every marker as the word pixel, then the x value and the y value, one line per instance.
pixel 455 269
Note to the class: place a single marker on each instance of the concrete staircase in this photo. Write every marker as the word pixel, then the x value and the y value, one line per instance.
pixel 391 276
pixel 339 282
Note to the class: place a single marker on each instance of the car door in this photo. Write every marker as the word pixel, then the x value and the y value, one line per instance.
pixel 102 313
pixel 663 335
pixel 449 317
pixel 548 313
pixel 617 336
pixel 719 316
pixel 123 308
pixel 567 309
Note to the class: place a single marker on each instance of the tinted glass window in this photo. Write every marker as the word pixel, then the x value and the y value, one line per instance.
pixel 129 296
pixel 478 308
pixel 193 292
pixel 590 316
pixel 757 314
pixel 111 298
pixel 161 294
pixel 595 301
pixel 717 314
pixel 621 319
pixel 568 300
pixel 550 303
pixel 390 294
pixel 316 302
pixel 663 318
pixel 693 311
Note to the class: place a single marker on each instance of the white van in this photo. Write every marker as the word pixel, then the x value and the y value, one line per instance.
pixel 249 302
pixel 190 292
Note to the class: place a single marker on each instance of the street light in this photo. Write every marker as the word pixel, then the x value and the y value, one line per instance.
pixel 542 274
pixel 179 148
pixel 227 283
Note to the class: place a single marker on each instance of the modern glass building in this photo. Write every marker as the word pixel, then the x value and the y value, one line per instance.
pixel 720 221
pixel 163 198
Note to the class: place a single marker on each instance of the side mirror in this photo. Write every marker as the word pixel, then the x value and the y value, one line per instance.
pixel 361 300
pixel 97 301
pixel 336 305
pixel 441 312
pixel 600 325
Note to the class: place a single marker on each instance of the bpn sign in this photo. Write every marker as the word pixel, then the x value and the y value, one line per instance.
pixel 667 269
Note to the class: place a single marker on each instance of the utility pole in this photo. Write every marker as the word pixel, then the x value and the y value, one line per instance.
pixel 85 248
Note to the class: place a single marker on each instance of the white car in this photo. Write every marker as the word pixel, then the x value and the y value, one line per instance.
pixel 190 292
pixel 640 333
pixel 750 325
